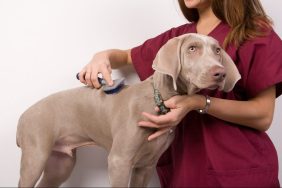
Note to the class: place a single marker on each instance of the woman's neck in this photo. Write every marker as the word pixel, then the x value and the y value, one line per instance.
pixel 207 21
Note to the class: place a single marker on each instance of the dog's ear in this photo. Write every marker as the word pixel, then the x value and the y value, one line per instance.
pixel 232 73
pixel 167 60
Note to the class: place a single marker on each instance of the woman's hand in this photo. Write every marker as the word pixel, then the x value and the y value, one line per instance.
pixel 179 107
pixel 100 63
pixel 103 62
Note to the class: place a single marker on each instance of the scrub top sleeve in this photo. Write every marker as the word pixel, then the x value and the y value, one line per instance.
pixel 142 56
pixel 263 64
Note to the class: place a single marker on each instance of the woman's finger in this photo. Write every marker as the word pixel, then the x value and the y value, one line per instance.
pixel 94 79
pixel 157 109
pixel 107 75
pixel 150 124
pixel 81 76
pixel 88 79
pixel 170 103
pixel 159 133
pixel 147 124
pixel 158 119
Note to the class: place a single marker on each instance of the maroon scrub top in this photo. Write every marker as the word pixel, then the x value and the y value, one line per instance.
pixel 210 152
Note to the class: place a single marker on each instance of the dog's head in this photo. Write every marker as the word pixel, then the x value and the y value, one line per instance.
pixel 196 62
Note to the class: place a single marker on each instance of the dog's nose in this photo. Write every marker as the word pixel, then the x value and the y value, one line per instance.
pixel 218 73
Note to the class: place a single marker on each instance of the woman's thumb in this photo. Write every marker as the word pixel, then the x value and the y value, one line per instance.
pixel 170 103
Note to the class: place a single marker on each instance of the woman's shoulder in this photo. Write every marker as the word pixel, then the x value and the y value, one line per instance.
pixel 260 63
pixel 268 45
pixel 270 40
pixel 183 29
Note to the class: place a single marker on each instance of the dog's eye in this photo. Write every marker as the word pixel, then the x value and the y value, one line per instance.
pixel 217 51
pixel 192 48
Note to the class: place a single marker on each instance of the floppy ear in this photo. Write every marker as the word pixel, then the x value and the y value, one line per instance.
pixel 232 73
pixel 167 60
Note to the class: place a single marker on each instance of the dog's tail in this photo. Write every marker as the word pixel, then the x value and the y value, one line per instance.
pixel 17 139
pixel 19 127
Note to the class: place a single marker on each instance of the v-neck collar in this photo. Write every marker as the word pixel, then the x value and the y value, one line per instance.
pixel 219 32
pixel 213 32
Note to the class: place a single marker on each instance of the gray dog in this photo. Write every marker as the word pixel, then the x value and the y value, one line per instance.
pixel 50 130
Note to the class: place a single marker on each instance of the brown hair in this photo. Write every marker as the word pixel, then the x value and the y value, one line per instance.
pixel 246 18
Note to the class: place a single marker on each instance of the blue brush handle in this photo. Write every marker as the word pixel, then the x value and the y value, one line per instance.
pixel 100 80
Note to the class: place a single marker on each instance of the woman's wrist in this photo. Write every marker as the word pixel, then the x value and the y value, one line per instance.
pixel 207 106
pixel 198 101
pixel 117 58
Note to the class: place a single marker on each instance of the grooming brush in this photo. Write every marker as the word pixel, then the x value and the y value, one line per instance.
pixel 115 88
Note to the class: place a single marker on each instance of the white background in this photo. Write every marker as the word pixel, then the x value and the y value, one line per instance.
pixel 44 43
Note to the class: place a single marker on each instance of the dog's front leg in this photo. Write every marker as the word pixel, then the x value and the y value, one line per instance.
pixel 119 168
pixel 120 160
pixel 141 176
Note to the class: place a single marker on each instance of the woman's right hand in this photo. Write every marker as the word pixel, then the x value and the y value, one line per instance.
pixel 100 63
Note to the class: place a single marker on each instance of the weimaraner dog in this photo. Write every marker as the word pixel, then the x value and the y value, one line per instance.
pixel 51 129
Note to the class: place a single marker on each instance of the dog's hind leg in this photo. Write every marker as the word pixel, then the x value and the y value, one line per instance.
pixel 58 169
pixel 32 165
pixel 141 176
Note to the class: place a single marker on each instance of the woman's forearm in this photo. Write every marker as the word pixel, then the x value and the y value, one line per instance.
pixel 256 113
pixel 118 58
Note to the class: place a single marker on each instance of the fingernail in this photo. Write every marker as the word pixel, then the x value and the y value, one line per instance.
pixel 140 124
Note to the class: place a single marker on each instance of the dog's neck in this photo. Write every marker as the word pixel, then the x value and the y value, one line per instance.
pixel 164 85
pixel 185 87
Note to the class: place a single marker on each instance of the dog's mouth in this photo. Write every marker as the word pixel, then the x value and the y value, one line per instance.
pixel 218 86
pixel 193 85
pixel 213 87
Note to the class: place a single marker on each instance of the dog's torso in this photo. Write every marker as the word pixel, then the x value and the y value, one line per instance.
pixel 84 116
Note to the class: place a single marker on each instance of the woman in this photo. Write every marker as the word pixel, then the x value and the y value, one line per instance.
pixel 228 145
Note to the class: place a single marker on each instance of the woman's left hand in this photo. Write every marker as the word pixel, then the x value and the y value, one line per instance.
pixel 179 107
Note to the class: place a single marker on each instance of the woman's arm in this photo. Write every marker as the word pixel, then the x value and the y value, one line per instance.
pixel 256 113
